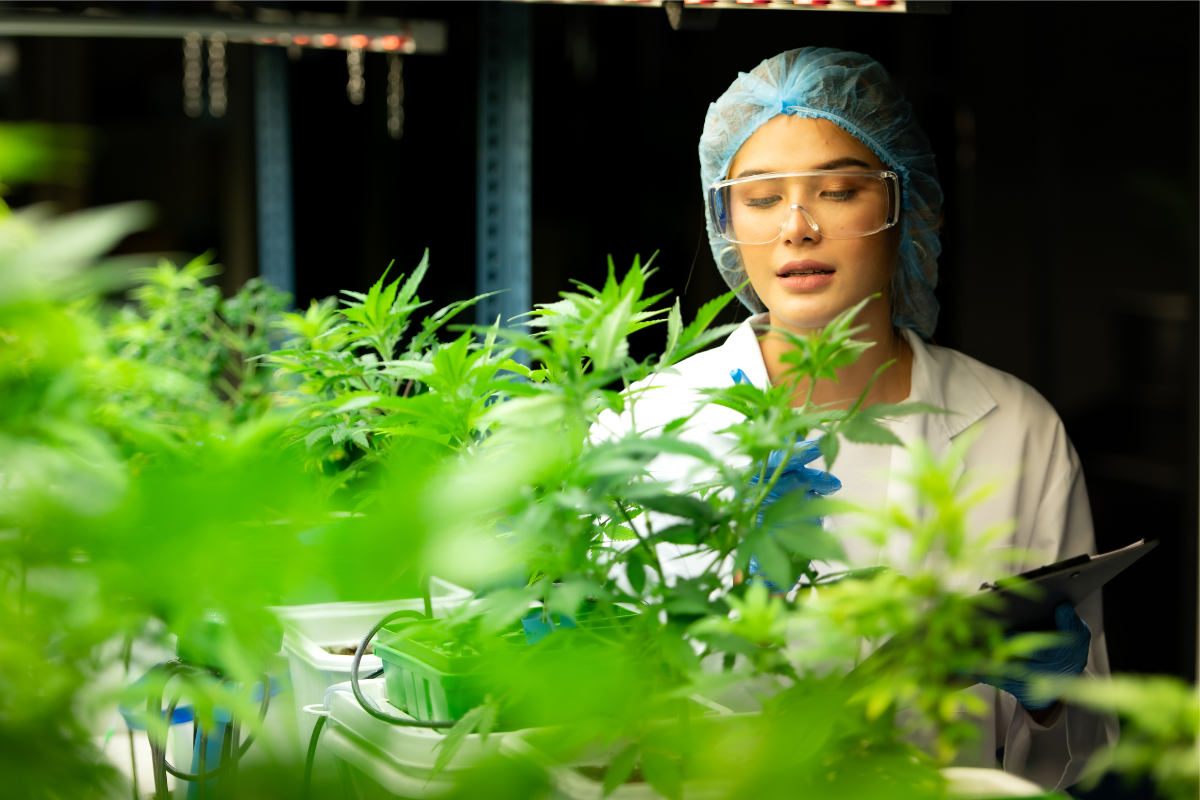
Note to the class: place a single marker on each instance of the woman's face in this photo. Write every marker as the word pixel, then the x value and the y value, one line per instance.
pixel 804 279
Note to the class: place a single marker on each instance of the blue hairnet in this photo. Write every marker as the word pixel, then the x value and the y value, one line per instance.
pixel 856 93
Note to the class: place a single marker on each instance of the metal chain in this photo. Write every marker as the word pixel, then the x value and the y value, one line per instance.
pixel 357 84
pixel 218 97
pixel 395 96
pixel 193 70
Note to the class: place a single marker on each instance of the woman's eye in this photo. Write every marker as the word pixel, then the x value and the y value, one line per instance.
pixel 840 197
pixel 760 202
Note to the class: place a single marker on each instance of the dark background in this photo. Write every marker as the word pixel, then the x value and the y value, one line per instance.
pixel 1066 137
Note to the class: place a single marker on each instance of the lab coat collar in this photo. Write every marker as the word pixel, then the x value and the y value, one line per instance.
pixel 939 377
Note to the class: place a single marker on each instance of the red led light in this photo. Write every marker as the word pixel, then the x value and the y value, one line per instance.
pixel 812 2
pixel 328 40
pixel 265 40
pixel 391 43
pixel 301 39
pixel 875 2
pixel 359 41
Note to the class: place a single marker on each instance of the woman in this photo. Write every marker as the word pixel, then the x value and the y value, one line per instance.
pixel 821 191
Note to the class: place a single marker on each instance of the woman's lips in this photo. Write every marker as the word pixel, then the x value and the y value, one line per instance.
pixel 806 275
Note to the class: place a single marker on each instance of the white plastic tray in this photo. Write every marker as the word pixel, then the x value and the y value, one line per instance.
pixel 308 630
pixel 398 759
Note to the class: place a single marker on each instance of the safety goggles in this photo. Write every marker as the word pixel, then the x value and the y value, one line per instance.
pixel 838 204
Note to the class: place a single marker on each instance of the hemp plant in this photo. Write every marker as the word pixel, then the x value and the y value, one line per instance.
pixel 359 382
pixel 180 358
pixel 561 507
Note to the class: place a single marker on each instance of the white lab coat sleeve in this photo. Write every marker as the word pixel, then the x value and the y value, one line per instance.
pixel 1055 754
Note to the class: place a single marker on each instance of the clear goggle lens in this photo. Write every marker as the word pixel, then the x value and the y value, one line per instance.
pixel 838 204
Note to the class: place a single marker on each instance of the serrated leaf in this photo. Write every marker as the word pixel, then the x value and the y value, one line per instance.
pixel 674 332
pixel 679 505
pixel 867 431
pixel 619 533
pixel 355 403
pixel 620 768
pixel 808 541
pixel 410 286
pixel 704 317
pixel 609 344
pixel 774 562
pixel 487 721
pixel 704 339
pixel 830 446
pixel 505 607
pixel 408 368
pixel 676 424
pixel 636 571
pixel 455 738
pixel 317 435
pixel 663 773
pixel 678 534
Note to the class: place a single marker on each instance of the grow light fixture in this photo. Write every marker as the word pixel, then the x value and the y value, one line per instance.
pixel 876 6
pixel 424 37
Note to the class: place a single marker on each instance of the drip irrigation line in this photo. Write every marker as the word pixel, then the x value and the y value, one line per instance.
pixel 306 786
pixel 362 701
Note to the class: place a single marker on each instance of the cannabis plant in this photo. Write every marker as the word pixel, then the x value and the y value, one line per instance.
pixel 359 382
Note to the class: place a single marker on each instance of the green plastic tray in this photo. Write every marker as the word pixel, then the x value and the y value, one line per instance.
pixel 427 683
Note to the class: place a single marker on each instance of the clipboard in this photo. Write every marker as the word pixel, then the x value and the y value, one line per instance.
pixel 1071 581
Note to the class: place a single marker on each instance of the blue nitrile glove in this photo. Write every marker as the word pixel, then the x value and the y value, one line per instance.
pixel 1066 660
pixel 796 477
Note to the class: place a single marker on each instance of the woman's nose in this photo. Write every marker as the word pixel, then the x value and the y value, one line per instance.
pixel 798 226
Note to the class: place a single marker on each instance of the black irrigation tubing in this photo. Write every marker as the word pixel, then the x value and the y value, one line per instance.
pixel 306 786
pixel 241 751
pixel 362 701
pixel 162 767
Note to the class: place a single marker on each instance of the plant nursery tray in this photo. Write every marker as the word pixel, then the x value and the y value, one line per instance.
pixel 308 630
pixel 412 751
pixel 431 680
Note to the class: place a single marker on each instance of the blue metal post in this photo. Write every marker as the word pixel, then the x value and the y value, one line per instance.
pixel 502 220
pixel 273 151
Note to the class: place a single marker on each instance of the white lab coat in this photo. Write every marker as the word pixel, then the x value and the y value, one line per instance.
pixel 1020 440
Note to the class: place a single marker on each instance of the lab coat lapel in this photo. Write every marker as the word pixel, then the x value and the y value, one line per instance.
pixel 960 393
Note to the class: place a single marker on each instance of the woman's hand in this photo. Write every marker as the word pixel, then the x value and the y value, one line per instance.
pixel 1026 679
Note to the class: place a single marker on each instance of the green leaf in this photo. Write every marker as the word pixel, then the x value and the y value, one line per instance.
pixel 663 774
pixel 678 534
pixel 704 317
pixel 456 737
pixel 620 768
pixel 355 403
pixel 809 542
pixel 791 521
pixel 674 331
pixel 505 607
pixel 774 561
pixel 516 366
pixel 407 368
pixel 867 431
pixel 679 505
pixel 704 339
pixel 609 344
pixel 636 572
pixel 317 435
pixel 487 721
pixel 410 286
pixel 829 445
